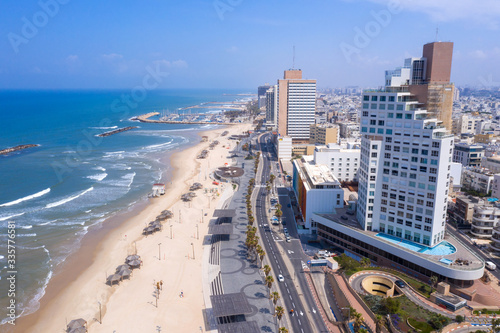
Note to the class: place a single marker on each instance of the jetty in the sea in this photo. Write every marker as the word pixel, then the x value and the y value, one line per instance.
pixel 169 120
pixel 16 148
pixel 116 131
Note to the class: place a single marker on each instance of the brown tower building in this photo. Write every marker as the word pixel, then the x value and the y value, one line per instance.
pixel 436 91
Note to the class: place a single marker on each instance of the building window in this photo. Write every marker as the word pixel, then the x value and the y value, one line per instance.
pixel 366 98
pixel 427 228
pixel 374 98
pixel 435 144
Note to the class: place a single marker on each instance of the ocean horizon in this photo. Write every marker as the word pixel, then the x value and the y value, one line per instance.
pixel 74 180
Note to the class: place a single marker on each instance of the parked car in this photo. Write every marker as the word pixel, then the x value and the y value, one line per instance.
pixel 344 217
pixel 287 239
pixel 350 212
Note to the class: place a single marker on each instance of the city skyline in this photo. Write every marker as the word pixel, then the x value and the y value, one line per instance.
pixel 58 44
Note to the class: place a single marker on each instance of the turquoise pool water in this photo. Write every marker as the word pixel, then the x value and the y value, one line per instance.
pixel 446 261
pixel 442 249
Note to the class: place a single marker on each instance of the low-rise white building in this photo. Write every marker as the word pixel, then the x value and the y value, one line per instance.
pixel 317 190
pixel 485 218
pixel 477 179
pixel 495 186
pixel 343 160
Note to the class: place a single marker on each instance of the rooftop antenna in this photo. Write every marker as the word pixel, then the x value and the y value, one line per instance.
pixel 293 64
pixel 437 32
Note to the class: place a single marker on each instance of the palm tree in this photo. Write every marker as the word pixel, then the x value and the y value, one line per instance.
pixel 267 269
pixel 262 254
pixel 275 296
pixel 278 213
pixel 379 323
pixel 434 280
pixel 269 281
pixel 358 321
pixel 283 330
pixel 251 220
pixel 278 312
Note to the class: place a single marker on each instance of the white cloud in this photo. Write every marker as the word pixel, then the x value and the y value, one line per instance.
pixel 232 49
pixel 484 12
pixel 72 58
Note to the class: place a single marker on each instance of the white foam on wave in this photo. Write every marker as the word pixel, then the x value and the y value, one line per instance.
pixel 9 217
pixel 48 222
pixel 100 168
pixel 112 127
pixel 26 235
pixel 29 197
pixel 26 227
pixel 65 200
pixel 129 176
pixel 98 177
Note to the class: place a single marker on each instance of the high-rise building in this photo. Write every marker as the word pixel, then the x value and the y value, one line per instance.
pixel 428 80
pixel 261 95
pixel 272 105
pixel 296 106
pixel 404 171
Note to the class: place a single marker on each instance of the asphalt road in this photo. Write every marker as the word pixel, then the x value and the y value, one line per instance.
pixel 288 292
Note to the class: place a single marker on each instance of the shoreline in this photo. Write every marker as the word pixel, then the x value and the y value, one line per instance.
pixel 78 284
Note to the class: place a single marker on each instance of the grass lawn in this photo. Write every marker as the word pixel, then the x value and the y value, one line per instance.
pixel 422 326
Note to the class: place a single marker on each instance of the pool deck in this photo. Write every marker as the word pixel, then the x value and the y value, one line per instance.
pixel 463 253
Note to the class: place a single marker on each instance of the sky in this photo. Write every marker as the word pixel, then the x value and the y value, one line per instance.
pixel 71 44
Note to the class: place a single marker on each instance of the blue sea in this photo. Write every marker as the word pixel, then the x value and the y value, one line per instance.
pixel 53 193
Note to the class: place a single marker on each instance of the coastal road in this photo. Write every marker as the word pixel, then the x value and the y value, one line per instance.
pixel 300 320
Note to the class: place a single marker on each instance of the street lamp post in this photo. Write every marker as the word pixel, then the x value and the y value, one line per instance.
pixel 193 249
pixel 197 232
pixel 159 254
pixel 100 313
pixel 349 313
pixel 135 245
pixel 170 231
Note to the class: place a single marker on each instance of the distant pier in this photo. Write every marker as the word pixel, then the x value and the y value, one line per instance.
pixel 145 119
pixel 116 131
pixel 16 148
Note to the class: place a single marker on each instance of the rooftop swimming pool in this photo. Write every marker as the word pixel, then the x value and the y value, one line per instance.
pixel 442 249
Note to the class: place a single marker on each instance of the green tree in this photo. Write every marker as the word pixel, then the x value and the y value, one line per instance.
pixel 269 281
pixel 278 312
pixel 283 330
pixel 267 269
pixel 391 305
pixel 358 321
pixel 379 323
pixel 434 281
pixel 495 325
pixel 275 296
pixel 365 262
pixel 459 319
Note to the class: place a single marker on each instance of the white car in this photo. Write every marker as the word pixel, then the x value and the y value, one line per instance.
pixel 281 278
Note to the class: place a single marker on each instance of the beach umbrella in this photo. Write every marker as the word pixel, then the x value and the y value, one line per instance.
pixel 79 330
pixel 121 267
pixel 125 272
pixel 76 323
pixel 192 194
pixel 132 257
pixel 135 263
pixel 113 278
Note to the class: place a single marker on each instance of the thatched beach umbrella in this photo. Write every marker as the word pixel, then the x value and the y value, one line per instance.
pixel 121 268
pixel 135 263
pixel 76 323
pixel 113 278
pixel 125 273
pixel 132 257
pixel 167 213
pixel 192 194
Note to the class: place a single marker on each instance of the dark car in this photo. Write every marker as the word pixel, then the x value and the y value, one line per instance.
pixel 400 283
pixel 350 212
pixel 289 205
pixel 344 217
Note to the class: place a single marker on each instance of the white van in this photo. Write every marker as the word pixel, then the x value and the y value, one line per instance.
pixel 491 266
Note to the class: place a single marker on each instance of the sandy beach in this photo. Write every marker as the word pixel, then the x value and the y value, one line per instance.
pixel 78 288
